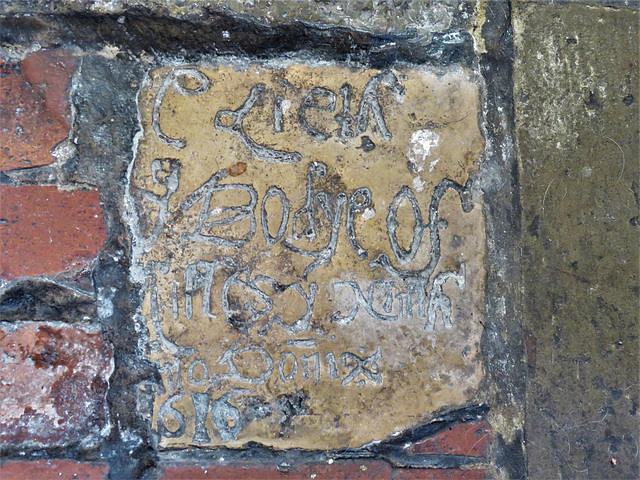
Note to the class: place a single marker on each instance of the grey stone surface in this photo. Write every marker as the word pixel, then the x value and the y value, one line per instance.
pixel 576 97
pixel 383 16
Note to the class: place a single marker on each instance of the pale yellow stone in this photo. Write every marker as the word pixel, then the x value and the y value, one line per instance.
pixel 432 120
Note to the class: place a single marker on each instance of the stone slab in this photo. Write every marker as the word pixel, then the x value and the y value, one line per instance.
pixel 578 139
pixel 310 247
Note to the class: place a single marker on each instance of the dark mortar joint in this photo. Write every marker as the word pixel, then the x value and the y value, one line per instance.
pixel 35 299
pixel 503 340
pixel 138 31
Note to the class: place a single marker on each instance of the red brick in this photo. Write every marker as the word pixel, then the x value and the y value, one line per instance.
pixel 54 381
pixel 52 470
pixel 463 439
pixel 438 474
pixel 34 108
pixel 339 470
pixel 46 231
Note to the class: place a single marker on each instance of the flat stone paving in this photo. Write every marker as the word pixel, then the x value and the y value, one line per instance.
pixel 577 130
pixel 311 250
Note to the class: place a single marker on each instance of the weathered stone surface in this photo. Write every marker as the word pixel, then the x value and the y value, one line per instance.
pixel 576 97
pixel 45 231
pixel 313 274
pixel 54 382
pixel 34 108
pixel 377 15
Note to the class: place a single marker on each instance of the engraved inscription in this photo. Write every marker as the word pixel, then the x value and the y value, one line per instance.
pixel 300 270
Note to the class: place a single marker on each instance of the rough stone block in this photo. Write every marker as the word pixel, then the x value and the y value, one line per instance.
pixel 54 380
pixel 45 231
pixel 383 16
pixel 34 108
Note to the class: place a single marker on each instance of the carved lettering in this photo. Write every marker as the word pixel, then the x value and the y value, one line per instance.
pixel 281 367
pixel 239 212
pixel 284 220
pixel 250 321
pixel 370 104
pixel 344 119
pixel 164 172
pixel 227 418
pixel 358 366
pixel 233 372
pixel 167 410
pixel 199 276
pixel 359 200
pixel 360 301
pixel 174 79
pixel 201 409
pixel 435 224
pixel 439 302
pixel 151 288
pixel 310 102
pixel 260 152
pixel 316 364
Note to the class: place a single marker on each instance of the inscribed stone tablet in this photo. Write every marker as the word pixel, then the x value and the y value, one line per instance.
pixel 310 248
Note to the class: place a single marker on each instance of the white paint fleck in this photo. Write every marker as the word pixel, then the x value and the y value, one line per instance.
pixel 6 359
pixel 368 214
pixel 420 147
pixel 418 184
pixel 104 307
pixel 109 51
pixel 433 164
pixel 502 306
pixel 286 105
